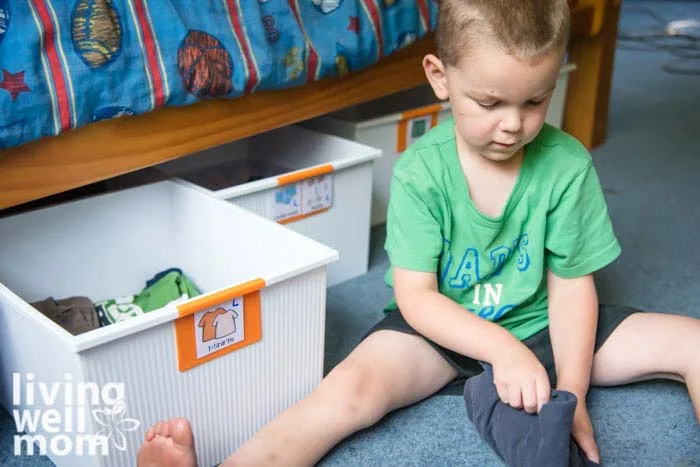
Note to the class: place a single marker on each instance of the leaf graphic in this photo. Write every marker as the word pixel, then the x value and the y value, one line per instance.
pixel 104 432
pixel 127 424
pixel 118 411
pixel 102 417
pixel 119 440
pixel 114 423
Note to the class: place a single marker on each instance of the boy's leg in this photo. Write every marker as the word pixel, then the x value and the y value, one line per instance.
pixel 388 370
pixel 648 346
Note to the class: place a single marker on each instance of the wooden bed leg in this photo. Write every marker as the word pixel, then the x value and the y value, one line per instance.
pixel 588 95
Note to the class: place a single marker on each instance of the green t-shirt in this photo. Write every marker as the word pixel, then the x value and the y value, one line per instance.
pixel 555 218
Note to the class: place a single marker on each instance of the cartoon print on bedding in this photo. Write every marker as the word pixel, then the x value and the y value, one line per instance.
pixel 97 32
pixel 354 24
pixel 327 6
pixel 14 83
pixel 342 60
pixel 271 33
pixel 106 113
pixel 293 63
pixel 4 17
pixel 205 65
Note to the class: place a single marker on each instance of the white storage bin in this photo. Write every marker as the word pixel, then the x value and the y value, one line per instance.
pixel 328 177
pixel 394 122
pixel 108 246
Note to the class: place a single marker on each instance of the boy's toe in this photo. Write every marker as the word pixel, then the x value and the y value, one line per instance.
pixel 165 429
pixel 151 433
pixel 181 432
pixel 171 444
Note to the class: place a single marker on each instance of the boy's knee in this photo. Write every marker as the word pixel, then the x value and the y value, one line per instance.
pixel 691 356
pixel 691 364
pixel 357 390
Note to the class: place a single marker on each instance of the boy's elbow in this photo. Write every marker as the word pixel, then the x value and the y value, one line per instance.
pixel 410 287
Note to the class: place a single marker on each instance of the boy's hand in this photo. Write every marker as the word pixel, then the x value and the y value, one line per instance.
pixel 520 379
pixel 582 431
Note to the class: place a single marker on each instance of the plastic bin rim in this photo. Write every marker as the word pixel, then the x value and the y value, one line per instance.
pixel 273 182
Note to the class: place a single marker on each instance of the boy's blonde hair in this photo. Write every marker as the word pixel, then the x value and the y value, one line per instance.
pixel 526 29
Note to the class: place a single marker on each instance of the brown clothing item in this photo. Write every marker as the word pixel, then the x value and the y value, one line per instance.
pixel 74 314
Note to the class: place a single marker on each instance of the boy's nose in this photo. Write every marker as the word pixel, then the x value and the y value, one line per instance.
pixel 511 122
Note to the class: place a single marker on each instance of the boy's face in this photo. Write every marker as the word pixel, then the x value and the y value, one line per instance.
pixel 499 103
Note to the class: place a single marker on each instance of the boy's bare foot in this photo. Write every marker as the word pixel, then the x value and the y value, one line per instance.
pixel 170 444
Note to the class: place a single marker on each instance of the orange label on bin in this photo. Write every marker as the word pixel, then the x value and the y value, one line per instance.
pixel 414 124
pixel 301 199
pixel 218 324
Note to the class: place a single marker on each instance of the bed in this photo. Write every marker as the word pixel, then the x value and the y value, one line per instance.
pixel 92 89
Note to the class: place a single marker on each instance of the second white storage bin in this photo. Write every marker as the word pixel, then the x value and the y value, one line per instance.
pixel 317 184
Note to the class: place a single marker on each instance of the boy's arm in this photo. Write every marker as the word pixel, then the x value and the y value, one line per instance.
pixel 519 377
pixel 573 318
pixel 445 322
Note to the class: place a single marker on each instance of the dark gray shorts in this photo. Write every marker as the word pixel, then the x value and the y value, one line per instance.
pixel 609 318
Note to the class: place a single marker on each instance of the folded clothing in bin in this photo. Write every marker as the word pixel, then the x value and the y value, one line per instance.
pixel 169 286
pixel 74 314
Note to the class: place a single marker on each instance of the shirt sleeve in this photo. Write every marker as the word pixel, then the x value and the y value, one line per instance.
pixel 414 234
pixel 580 238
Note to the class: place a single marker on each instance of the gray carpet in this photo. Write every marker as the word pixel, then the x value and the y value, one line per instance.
pixel 649 167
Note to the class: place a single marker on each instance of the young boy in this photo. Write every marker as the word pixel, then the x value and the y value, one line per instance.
pixel 495 226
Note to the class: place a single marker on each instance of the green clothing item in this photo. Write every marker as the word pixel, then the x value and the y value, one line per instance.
pixel 555 218
pixel 164 288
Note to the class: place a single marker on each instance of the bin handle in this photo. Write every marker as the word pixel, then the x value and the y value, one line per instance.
pixel 208 301
pixel 304 174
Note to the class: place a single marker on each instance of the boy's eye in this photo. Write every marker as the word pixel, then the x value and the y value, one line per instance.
pixel 487 105
pixel 535 103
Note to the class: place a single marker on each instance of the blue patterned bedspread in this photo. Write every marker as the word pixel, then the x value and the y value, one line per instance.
pixel 67 63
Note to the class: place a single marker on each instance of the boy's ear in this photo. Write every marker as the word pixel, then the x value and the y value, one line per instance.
pixel 435 72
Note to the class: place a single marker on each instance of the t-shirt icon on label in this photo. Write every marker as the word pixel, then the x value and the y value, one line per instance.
pixel 219 327
pixel 218 323
pixel 317 193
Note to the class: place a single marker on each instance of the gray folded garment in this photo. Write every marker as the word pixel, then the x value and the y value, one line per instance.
pixel 521 439
pixel 74 314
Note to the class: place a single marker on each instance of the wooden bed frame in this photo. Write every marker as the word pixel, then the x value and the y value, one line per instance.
pixel 100 151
